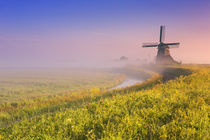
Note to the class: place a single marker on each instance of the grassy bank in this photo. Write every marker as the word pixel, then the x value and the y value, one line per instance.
pixel 12 113
pixel 26 109
pixel 24 94
pixel 177 109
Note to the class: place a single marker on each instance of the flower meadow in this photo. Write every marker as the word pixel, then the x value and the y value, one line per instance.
pixel 175 109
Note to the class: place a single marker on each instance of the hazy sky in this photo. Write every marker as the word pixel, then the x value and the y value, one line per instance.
pixel 62 32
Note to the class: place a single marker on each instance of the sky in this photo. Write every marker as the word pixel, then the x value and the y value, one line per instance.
pixel 64 32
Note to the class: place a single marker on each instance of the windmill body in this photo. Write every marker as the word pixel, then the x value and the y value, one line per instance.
pixel 163 54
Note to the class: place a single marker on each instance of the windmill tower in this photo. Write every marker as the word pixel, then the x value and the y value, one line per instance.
pixel 163 55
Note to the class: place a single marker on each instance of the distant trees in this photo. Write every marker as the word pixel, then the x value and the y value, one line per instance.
pixel 123 58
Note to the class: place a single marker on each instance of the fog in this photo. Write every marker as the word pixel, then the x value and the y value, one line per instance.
pixel 92 49
pixel 86 34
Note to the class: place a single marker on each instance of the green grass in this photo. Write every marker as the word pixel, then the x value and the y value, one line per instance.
pixel 18 85
pixel 38 92
pixel 176 109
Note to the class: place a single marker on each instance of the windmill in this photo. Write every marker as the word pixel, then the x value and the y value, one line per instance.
pixel 163 55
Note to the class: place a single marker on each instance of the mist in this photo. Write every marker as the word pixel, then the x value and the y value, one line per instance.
pixel 82 34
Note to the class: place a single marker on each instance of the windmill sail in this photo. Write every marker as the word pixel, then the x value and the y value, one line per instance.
pixel 172 45
pixel 163 55
pixel 162 33
pixel 150 45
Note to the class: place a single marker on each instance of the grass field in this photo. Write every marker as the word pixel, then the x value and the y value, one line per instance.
pixel 17 85
pixel 24 94
pixel 155 109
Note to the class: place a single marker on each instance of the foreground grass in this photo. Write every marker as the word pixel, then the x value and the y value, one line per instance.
pixel 178 109
pixel 11 113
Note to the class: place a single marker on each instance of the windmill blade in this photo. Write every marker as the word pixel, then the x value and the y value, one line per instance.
pixel 173 45
pixel 150 45
pixel 162 33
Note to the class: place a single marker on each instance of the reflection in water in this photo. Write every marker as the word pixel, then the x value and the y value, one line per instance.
pixel 128 82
